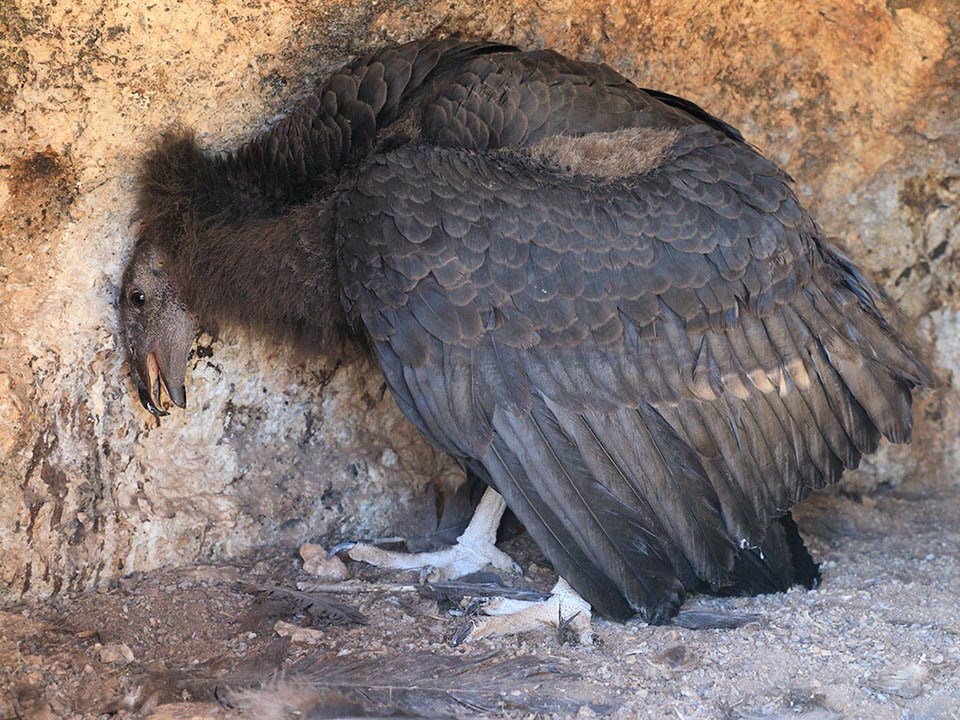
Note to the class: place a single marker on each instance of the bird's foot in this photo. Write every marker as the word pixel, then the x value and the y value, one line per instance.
pixel 564 611
pixel 452 562
pixel 474 550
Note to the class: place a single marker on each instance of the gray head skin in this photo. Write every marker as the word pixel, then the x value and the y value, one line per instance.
pixel 157 328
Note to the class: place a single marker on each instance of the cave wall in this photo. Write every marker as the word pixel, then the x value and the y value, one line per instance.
pixel 856 99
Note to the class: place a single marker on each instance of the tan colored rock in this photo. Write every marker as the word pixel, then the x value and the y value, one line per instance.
pixel 856 98
pixel 298 634
pixel 116 654
pixel 316 563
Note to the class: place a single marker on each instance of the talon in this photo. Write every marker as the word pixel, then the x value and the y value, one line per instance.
pixel 341 549
pixel 575 630
pixel 464 632
pixel 475 606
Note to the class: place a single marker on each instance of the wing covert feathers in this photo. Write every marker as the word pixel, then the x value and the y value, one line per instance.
pixel 652 368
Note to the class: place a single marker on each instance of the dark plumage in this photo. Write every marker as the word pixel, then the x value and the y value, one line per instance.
pixel 599 299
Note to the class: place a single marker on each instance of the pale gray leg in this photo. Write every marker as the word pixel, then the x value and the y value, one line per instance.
pixel 475 548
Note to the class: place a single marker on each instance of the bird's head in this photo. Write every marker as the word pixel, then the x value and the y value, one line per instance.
pixel 158 328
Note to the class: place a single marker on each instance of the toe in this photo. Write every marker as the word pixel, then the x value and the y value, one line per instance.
pixel 465 632
pixel 340 550
pixel 576 629
pixel 431 574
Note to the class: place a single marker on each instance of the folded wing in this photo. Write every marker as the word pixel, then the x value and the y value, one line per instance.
pixel 650 366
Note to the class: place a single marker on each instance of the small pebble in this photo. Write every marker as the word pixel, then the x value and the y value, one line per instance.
pixel 117 654
pixel 298 634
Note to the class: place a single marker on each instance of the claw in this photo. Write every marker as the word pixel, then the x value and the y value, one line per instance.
pixel 464 632
pixel 341 548
pixel 475 606
pixel 427 573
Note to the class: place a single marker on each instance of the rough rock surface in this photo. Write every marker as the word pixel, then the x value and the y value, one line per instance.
pixel 857 99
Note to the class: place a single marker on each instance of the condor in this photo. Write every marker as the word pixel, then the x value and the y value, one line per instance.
pixel 599 299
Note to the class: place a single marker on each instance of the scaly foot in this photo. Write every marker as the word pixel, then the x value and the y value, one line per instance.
pixel 475 548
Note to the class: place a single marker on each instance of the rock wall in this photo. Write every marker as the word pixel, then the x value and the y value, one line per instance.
pixel 856 98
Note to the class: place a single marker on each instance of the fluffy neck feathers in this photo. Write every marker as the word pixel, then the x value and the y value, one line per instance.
pixel 237 256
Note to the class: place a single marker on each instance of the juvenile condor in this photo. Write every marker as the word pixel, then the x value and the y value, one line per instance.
pixel 599 299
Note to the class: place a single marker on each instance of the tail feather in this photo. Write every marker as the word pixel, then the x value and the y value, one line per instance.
pixel 779 563
pixel 885 397
pixel 622 541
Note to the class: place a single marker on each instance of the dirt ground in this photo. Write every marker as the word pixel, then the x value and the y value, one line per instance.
pixel 880 638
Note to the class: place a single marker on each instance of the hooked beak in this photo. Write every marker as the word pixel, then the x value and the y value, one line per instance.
pixel 155 379
pixel 156 327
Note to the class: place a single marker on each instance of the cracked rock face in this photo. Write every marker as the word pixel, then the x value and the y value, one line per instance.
pixel 856 99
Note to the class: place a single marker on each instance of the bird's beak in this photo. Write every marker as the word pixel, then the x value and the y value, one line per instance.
pixel 161 375
pixel 162 369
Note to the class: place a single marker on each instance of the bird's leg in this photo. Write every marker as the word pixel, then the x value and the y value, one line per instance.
pixel 475 548
pixel 564 610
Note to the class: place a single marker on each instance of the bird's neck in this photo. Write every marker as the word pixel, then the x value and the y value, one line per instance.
pixel 275 274
pixel 250 232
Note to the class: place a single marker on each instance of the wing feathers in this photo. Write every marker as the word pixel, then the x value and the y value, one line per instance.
pixel 651 369
pixel 621 540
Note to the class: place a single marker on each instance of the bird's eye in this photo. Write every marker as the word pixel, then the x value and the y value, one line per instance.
pixel 138 298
